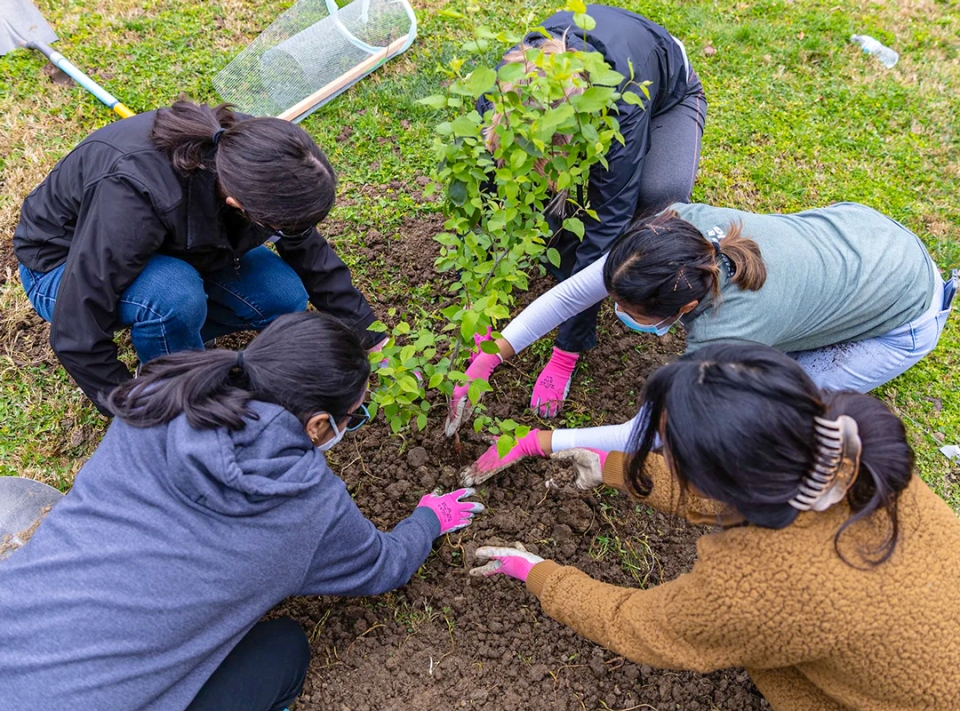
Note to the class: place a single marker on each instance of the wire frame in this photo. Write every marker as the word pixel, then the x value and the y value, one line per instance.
pixel 315 50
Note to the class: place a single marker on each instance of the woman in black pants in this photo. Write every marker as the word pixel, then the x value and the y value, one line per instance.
pixel 655 166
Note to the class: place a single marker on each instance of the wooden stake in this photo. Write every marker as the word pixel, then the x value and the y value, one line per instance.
pixel 301 107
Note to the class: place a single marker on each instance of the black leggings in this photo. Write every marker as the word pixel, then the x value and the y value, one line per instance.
pixel 669 170
pixel 264 672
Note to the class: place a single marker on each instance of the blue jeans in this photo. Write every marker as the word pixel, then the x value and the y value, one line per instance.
pixel 865 365
pixel 171 307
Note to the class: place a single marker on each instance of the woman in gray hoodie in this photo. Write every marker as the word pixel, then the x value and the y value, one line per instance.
pixel 208 502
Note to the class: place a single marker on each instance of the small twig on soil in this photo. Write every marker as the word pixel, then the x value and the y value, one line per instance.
pixel 360 457
pixel 556 674
pixel 318 628
pixel 363 634
pixel 458 546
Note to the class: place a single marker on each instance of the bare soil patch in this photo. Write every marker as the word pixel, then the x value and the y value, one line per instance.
pixel 456 641
pixel 459 642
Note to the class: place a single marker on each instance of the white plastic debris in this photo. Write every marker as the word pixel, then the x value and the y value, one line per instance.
pixel 951 451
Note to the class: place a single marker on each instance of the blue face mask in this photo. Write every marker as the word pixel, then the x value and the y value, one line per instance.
pixel 657 329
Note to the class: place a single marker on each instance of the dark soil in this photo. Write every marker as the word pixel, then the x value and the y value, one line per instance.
pixel 446 640
pixel 451 641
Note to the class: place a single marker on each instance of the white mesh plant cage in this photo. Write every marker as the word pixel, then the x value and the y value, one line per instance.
pixel 312 53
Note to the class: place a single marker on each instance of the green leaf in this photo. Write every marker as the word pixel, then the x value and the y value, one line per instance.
pixel 436 101
pixel 378 326
pixel 504 444
pixel 489 347
pixel 477 46
pixel 421 421
pixel 510 72
pixel 606 77
pixel 574 225
pixel 469 325
pixel 457 192
pixel 553 256
pixel 576 6
pixel 584 22
pixel 631 98
pixel 594 99
pixel 435 380
pixel 468 125
pixel 409 384
pixel 481 80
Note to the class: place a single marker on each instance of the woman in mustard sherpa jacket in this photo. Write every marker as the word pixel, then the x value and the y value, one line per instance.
pixel 835 580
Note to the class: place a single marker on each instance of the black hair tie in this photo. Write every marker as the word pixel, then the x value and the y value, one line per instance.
pixel 216 135
pixel 716 247
pixel 239 365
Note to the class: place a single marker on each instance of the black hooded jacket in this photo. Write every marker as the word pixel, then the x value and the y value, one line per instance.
pixel 625 39
pixel 111 204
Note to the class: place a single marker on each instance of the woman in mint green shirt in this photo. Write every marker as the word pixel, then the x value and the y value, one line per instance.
pixel 849 293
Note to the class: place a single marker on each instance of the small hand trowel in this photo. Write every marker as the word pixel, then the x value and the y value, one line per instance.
pixel 23 505
pixel 22 25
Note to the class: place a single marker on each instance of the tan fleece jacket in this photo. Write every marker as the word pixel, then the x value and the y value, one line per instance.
pixel 814 633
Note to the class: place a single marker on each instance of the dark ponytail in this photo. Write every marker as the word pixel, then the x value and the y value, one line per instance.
pixel 270 166
pixel 662 263
pixel 886 466
pixel 305 362
pixel 738 426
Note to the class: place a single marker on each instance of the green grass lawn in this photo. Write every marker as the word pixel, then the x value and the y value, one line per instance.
pixel 798 117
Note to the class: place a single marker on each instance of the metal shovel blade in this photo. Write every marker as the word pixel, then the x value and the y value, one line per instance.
pixel 23 505
pixel 21 22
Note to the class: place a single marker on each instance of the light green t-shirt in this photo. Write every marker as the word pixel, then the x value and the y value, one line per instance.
pixel 835 274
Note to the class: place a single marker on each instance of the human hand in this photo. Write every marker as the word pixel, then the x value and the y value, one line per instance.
pixel 587 462
pixel 552 386
pixel 452 513
pixel 516 562
pixel 481 368
pixel 491 463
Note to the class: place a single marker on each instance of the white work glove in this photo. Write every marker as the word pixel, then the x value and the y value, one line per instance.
pixel 588 464
pixel 515 562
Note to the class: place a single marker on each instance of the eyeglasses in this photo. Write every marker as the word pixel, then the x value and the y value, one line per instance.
pixel 273 230
pixel 358 418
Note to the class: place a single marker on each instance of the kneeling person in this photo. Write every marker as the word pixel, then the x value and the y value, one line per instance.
pixel 158 222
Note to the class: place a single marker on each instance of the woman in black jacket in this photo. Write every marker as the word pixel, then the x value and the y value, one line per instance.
pixel 655 166
pixel 158 222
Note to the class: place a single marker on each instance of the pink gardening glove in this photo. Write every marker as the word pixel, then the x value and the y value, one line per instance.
pixel 516 562
pixel 587 462
pixel 490 462
pixel 481 368
pixel 553 384
pixel 452 513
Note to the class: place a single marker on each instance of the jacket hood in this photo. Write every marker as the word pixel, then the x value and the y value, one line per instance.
pixel 245 472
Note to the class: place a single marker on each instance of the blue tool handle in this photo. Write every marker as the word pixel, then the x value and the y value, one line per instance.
pixel 82 79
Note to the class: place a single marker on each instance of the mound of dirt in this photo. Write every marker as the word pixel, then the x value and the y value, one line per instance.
pixel 453 641
pixel 459 642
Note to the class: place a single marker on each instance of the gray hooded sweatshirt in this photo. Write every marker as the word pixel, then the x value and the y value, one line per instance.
pixel 171 545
